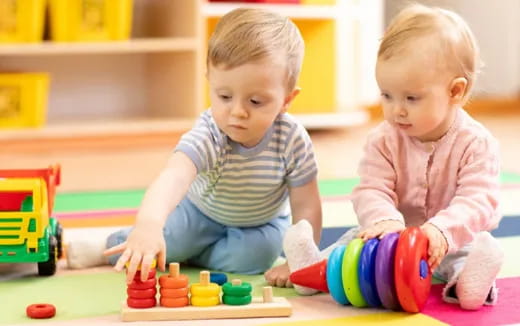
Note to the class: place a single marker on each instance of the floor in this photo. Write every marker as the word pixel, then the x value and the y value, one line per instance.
pixel 337 151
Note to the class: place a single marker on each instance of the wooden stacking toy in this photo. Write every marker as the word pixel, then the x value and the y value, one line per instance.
pixel 202 300
pixel 392 272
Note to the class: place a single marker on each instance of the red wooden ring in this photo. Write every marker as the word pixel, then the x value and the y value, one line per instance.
pixel 412 288
pixel 138 285
pixel 174 293
pixel 178 282
pixel 40 310
pixel 151 274
pixel 141 303
pixel 141 294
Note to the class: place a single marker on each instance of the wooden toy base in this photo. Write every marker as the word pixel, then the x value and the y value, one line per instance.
pixel 279 307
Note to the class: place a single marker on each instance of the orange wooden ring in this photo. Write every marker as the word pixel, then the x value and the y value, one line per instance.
pixel 174 293
pixel 40 310
pixel 141 303
pixel 178 282
pixel 174 302
pixel 138 285
pixel 141 294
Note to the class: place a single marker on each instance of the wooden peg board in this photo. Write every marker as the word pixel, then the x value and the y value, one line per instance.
pixel 279 307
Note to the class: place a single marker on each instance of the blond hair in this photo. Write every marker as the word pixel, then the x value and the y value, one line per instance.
pixel 249 35
pixel 451 35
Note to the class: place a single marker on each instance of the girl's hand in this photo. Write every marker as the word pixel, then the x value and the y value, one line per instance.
pixel 437 245
pixel 380 229
pixel 140 249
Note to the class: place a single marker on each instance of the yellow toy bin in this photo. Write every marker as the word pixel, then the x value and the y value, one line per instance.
pixel 90 20
pixel 21 21
pixel 23 99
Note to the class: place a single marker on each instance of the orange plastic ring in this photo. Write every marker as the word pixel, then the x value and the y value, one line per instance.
pixel 141 294
pixel 40 310
pixel 138 285
pixel 178 282
pixel 174 293
pixel 174 302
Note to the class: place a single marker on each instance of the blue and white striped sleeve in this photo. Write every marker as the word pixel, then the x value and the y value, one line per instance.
pixel 301 163
pixel 201 143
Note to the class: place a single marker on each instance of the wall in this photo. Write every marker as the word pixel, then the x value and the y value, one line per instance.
pixel 496 25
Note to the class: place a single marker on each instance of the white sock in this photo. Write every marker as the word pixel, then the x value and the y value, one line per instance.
pixel 480 271
pixel 84 253
pixel 301 251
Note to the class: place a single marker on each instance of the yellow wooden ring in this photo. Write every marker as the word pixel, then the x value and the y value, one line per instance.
pixel 210 290
pixel 152 266
pixel 204 301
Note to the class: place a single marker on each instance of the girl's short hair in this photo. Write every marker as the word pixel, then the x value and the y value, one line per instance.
pixel 449 33
pixel 247 35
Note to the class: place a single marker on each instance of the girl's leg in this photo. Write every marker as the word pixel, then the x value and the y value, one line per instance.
pixel 250 250
pixel 470 273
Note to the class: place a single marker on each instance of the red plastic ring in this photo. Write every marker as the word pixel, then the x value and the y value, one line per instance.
pixel 141 303
pixel 40 310
pixel 138 285
pixel 141 294
pixel 151 274
pixel 412 282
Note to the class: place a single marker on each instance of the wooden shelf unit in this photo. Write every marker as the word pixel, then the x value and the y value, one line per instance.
pixel 155 75
pixel 159 73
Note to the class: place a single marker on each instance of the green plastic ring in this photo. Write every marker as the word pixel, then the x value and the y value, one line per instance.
pixel 236 301
pixel 237 290
pixel 349 273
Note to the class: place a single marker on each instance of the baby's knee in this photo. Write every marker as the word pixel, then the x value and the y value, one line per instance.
pixel 255 259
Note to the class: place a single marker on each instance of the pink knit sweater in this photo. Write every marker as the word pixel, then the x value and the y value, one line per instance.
pixel 452 183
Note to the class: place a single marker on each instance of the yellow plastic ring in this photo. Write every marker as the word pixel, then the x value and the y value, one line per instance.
pixel 152 266
pixel 204 301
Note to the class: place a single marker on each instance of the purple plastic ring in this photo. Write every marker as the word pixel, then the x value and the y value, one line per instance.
pixel 385 282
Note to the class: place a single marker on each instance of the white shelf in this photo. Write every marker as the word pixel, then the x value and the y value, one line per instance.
pixel 75 129
pixel 147 45
pixel 316 12
pixel 333 120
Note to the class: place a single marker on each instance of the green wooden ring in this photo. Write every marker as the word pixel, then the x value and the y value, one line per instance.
pixel 349 273
pixel 236 301
pixel 237 290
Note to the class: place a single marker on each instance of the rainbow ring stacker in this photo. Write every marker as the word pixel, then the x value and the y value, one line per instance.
pixel 412 275
pixel 385 283
pixel 334 277
pixel 350 273
pixel 367 272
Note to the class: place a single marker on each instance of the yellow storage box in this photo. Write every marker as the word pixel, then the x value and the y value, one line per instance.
pixel 23 99
pixel 90 20
pixel 21 20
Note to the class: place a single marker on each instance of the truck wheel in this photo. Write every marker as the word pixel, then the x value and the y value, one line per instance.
pixel 48 268
pixel 59 237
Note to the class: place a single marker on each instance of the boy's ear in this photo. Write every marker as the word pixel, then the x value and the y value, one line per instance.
pixel 458 89
pixel 288 100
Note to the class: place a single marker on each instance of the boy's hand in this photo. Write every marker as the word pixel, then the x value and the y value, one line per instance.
pixel 140 249
pixel 380 229
pixel 437 245
pixel 279 276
